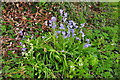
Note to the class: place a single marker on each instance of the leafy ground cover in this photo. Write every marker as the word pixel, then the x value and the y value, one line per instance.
pixel 60 40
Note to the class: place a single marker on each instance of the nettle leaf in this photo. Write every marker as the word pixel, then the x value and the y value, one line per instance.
pixel 6 69
pixel 3 28
pixel 50 49
pixel 107 75
pixel 109 47
pixel 60 18
pixel 93 61
pixel 58 58
pixel 72 66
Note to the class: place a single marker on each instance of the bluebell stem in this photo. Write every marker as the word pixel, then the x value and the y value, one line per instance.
pixel 86 45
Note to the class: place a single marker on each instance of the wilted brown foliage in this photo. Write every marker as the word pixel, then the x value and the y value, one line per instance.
pixel 20 17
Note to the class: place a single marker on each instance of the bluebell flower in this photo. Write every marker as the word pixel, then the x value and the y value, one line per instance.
pixel 58 32
pixel 87 40
pixel 65 36
pixel 61 12
pixel 63 32
pixel 73 34
pixel 68 31
pixel 43 37
pixel 53 18
pixel 82 25
pixel 71 26
pixel 50 24
pixel 54 26
pixel 62 26
pixel 74 24
pixel 86 45
pixel 56 36
pixel 64 19
pixel 50 21
pixel 68 26
pixel 78 38
pixel 65 14
pixel 21 33
pixel 72 30
pixel 70 23
pixel 76 27
pixel 24 49
pixel 62 51
pixel 82 33
pixel 68 35
pixel 20 43
pixel 46 23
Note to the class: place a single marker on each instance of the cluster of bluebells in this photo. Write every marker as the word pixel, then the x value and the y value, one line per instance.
pixel 21 34
pixel 71 27
pixel 87 44
pixel 61 29
pixel 23 49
